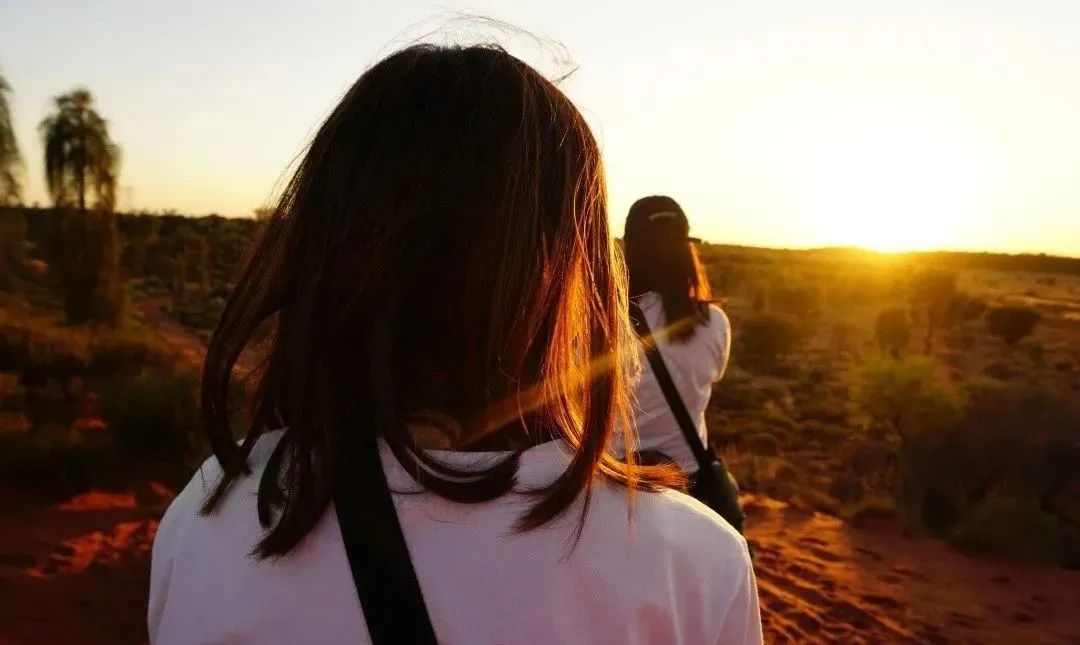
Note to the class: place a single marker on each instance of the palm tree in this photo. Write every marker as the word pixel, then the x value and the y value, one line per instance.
pixel 79 155
pixel 10 160
pixel 81 159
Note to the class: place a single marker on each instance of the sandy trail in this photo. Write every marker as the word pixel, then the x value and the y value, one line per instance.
pixel 821 580
pixel 77 571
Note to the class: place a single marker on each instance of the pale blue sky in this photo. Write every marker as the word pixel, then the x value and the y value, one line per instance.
pixel 784 123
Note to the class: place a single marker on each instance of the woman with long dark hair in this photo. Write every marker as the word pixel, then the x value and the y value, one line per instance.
pixel 687 343
pixel 438 274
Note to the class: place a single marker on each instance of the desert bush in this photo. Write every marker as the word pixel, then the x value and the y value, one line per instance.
pixel 761 443
pixel 932 290
pixel 54 463
pixel 907 395
pixel 1034 351
pixel 766 337
pixel 812 498
pixel 40 350
pixel 892 332
pixel 869 508
pixel 827 433
pixel 736 392
pixel 909 399
pixel 152 415
pixel 799 300
pixel 1011 323
pixel 1017 436
pixel 974 308
pixel 1012 441
pixel 116 353
pixel 200 314
pixel 12 247
pixel 846 487
pixel 772 476
pixel 1012 525
pixel 736 396
pixel 827 409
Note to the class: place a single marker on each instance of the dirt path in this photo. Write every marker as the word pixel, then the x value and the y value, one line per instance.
pixel 77 572
pixel 182 341
pixel 821 580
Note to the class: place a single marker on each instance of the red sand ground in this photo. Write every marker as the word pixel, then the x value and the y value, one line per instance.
pixel 821 580
pixel 77 572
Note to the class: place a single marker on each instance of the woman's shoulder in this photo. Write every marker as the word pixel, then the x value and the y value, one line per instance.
pixel 718 317
pixel 682 523
pixel 684 556
pixel 669 524
pixel 186 507
pixel 717 323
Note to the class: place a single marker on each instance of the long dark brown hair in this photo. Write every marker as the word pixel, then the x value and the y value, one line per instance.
pixel 442 247
pixel 666 262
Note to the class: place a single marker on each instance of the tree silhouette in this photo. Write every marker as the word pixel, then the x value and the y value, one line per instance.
pixel 10 160
pixel 892 332
pixel 933 290
pixel 79 155
pixel 81 159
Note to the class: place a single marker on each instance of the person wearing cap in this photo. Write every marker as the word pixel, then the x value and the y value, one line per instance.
pixel 669 289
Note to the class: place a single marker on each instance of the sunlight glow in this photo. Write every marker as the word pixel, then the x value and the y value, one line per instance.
pixel 888 172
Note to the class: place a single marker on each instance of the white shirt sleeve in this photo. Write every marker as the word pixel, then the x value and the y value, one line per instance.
pixel 720 328
pixel 183 509
pixel 742 624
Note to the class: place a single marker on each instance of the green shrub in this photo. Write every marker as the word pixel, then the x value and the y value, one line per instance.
pixel 1012 525
pixel 907 395
pixel 870 508
pixel 809 497
pixel 54 464
pixel 762 443
pixel 824 431
pixel 114 354
pixel 736 394
pixel 773 476
pixel 797 300
pixel 152 415
pixel 829 410
pixel 766 337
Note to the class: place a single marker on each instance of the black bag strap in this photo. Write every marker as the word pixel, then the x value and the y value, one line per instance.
pixel 378 556
pixel 704 457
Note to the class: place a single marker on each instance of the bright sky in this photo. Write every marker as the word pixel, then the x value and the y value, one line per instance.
pixel 893 125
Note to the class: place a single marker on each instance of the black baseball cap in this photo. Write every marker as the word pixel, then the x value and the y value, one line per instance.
pixel 658 216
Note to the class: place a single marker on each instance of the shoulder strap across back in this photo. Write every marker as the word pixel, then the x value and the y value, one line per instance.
pixel 382 570
pixel 671 393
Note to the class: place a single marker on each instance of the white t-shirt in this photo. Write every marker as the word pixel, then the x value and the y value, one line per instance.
pixel 695 364
pixel 676 573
